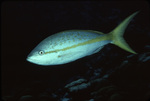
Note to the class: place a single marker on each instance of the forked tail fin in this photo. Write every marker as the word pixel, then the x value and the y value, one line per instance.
pixel 117 34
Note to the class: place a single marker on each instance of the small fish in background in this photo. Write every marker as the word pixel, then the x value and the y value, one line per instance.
pixel 70 45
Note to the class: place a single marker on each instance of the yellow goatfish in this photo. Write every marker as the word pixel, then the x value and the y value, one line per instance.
pixel 70 45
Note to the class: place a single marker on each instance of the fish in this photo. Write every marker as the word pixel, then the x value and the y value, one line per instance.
pixel 70 45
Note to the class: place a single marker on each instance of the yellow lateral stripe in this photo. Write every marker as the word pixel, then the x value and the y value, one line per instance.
pixel 101 38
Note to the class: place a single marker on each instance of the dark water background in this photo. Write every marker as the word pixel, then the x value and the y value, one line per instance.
pixel 25 24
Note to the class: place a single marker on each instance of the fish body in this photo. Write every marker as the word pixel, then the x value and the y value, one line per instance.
pixel 70 45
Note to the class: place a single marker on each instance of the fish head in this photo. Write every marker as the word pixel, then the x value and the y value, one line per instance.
pixel 41 55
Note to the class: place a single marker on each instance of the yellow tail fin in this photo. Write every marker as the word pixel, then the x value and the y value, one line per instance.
pixel 117 34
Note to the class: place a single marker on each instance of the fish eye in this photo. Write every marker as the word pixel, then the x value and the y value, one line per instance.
pixel 41 52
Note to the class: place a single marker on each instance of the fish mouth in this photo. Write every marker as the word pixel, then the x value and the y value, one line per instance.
pixel 29 59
